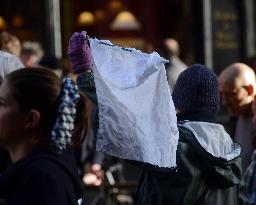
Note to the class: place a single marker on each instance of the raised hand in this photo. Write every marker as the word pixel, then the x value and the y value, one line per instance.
pixel 79 52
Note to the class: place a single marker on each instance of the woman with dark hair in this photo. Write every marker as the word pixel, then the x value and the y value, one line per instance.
pixel 41 118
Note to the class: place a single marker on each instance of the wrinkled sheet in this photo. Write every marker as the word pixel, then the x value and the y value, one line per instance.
pixel 137 119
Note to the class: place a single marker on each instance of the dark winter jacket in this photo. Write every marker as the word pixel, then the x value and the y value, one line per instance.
pixel 88 153
pixel 200 177
pixel 42 179
pixel 4 159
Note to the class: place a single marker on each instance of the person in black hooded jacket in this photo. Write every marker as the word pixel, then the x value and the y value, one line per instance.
pixel 208 168
pixel 41 118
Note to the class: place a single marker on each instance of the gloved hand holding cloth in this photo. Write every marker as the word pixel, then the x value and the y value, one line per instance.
pixel 79 52
pixel 137 119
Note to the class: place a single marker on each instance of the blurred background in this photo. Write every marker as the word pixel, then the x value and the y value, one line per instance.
pixel 212 32
pixel 206 30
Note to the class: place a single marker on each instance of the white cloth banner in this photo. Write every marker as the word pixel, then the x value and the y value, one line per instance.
pixel 137 119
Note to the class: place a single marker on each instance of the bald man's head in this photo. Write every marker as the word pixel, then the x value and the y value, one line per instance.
pixel 237 84
pixel 239 74
pixel 172 46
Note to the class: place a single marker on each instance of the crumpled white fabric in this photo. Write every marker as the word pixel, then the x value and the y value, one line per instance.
pixel 137 119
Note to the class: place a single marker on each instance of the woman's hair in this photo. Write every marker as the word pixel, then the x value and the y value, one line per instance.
pixel 10 43
pixel 40 89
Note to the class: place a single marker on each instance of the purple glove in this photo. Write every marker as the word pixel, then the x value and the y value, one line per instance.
pixel 79 52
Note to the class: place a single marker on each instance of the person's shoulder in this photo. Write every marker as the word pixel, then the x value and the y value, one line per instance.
pixel 46 174
pixel 7 56
pixel 177 62
pixel 187 143
pixel 4 54
pixel 184 133
pixel 44 166
pixel 9 62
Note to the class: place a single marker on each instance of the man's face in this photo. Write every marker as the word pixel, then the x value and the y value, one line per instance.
pixel 234 97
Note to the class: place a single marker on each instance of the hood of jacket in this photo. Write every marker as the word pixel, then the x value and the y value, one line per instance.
pixel 215 148
pixel 214 139
pixel 217 151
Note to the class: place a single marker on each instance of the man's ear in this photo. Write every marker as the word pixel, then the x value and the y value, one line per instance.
pixel 250 90
pixel 33 119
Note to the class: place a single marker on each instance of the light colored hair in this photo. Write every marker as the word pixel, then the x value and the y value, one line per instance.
pixel 10 43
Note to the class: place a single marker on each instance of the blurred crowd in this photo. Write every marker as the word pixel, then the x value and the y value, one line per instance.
pixel 195 90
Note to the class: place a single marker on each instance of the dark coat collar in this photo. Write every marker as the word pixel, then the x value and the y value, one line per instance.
pixel 196 116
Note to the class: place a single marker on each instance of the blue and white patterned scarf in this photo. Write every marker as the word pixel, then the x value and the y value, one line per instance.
pixel 64 125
